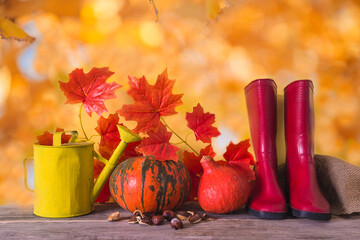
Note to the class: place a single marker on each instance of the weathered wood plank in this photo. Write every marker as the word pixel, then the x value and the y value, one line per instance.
pixel 16 223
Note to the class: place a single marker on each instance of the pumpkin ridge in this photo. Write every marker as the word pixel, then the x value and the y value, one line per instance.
pixel 112 181
pixel 171 179
pixel 160 178
pixel 182 170
pixel 147 164
pixel 124 169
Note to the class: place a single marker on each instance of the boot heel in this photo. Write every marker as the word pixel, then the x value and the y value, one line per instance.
pixel 268 215
pixel 310 215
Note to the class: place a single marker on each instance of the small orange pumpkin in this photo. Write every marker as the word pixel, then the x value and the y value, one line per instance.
pixel 149 185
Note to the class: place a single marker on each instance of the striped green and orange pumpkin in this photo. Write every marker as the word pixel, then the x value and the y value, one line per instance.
pixel 149 185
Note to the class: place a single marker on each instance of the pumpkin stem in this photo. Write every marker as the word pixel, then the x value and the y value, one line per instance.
pixel 208 163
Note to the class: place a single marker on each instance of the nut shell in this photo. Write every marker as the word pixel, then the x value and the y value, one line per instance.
pixel 169 215
pixel 158 220
pixel 114 217
pixel 176 223
pixel 195 219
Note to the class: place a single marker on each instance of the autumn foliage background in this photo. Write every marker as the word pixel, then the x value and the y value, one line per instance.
pixel 211 56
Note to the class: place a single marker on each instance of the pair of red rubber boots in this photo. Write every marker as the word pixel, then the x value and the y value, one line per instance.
pixel 267 199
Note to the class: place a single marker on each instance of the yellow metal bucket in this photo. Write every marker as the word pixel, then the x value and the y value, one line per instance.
pixel 64 175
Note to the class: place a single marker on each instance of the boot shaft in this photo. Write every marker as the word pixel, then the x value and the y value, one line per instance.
pixel 299 121
pixel 261 104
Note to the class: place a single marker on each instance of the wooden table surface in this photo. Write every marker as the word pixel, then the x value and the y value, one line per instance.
pixel 20 223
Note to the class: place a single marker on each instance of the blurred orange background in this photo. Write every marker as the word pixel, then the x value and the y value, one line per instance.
pixel 212 56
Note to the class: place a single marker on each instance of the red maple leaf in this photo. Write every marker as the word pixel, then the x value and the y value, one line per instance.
pixel 110 138
pixel 195 181
pixel 47 138
pixel 90 89
pixel 104 195
pixel 192 163
pixel 130 151
pixel 201 124
pixel 237 155
pixel 158 144
pixel 108 130
pixel 150 102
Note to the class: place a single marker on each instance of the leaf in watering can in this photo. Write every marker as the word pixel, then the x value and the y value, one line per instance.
pixel 47 138
pixel 90 89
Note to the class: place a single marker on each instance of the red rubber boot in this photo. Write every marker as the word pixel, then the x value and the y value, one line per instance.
pixel 306 199
pixel 266 199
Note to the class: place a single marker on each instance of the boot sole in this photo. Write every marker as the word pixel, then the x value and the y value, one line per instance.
pixel 310 215
pixel 268 215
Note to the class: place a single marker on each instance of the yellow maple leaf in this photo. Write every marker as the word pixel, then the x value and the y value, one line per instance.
pixel 9 30
pixel 215 7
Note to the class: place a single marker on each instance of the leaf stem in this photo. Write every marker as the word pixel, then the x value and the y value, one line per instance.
pixel 95 135
pixel 188 135
pixel 184 141
pixel 81 124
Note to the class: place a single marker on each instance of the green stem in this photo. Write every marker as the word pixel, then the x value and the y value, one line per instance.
pixel 81 124
pixel 95 135
pixel 188 135
pixel 168 127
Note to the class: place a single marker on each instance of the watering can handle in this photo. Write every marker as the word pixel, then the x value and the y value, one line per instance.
pixel 25 175
pixel 57 137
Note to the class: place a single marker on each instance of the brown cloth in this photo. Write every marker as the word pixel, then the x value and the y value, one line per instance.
pixel 339 181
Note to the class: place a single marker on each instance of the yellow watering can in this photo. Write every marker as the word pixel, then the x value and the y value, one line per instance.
pixel 64 175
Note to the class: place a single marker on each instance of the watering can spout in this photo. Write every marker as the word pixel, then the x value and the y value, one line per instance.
pixel 126 137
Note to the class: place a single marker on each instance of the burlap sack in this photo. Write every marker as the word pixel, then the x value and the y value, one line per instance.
pixel 339 181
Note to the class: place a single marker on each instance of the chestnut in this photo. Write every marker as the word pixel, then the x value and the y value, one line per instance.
pixel 176 223
pixel 158 219
pixel 168 215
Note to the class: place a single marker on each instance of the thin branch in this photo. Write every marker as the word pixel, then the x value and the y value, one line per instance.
pixel 155 9
pixel 81 124
pixel 164 122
